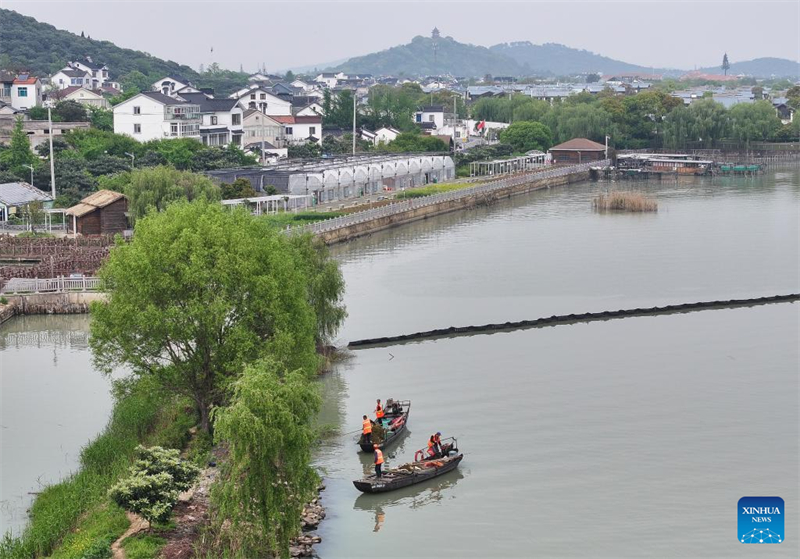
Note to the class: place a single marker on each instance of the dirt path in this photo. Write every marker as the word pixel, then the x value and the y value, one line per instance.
pixel 137 525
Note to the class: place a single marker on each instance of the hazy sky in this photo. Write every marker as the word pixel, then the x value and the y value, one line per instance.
pixel 301 33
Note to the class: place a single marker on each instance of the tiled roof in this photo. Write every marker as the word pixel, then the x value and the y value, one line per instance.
pixel 99 199
pixel 579 144
pixel 161 98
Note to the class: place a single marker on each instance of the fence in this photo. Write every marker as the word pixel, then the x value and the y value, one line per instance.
pixel 414 203
pixel 60 284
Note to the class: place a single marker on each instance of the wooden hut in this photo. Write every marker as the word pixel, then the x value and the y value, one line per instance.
pixel 101 213
pixel 578 150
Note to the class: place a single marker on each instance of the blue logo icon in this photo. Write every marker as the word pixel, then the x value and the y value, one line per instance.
pixel 761 520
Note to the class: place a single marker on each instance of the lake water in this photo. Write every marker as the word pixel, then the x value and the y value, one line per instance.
pixel 53 403
pixel 625 438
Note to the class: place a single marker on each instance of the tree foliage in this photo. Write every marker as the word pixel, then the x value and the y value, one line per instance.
pixel 153 189
pixel 414 142
pixel 200 292
pixel 240 188
pixel 19 154
pixel 526 136
pixel 268 478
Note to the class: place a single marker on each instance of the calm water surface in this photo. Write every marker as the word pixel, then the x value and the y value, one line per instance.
pixel 626 438
pixel 53 403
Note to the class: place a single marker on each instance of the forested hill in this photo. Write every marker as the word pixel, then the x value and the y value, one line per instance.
pixel 762 67
pixel 424 56
pixel 42 49
pixel 560 60
pixel 27 44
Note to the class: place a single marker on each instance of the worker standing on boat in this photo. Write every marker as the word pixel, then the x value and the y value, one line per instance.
pixel 437 443
pixel 367 430
pixel 431 447
pixel 379 411
pixel 378 460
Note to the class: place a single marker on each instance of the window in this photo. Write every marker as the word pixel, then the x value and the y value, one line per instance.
pixel 312 130
pixel 173 129
pixel 236 119
pixel 6 90
pixel 137 110
pixel 289 130
pixel 137 128
pixel 263 96
pixel 419 117
pixel 22 91
pixel 213 120
pixel 252 96
pixel 431 118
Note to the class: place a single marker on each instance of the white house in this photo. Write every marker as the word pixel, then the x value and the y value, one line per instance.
pixel 433 113
pixel 98 72
pixel 385 135
pixel 81 95
pixel 368 135
pixel 151 115
pixel 330 79
pixel 301 129
pixel 256 97
pixel 68 77
pixel 23 92
pixel 312 109
pixel 170 85
pixel 221 119
pixel 304 85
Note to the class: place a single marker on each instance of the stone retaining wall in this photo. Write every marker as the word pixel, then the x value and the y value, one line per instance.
pixel 365 228
pixel 49 303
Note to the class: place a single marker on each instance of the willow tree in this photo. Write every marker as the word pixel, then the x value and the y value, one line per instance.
pixel 200 292
pixel 268 477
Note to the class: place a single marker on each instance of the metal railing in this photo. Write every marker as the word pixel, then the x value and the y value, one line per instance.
pixel 61 284
pixel 421 202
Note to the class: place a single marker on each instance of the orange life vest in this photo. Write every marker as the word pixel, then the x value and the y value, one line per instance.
pixel 430 444
pixel 437 439
pixel 367 427
pixel 378 456
pixel 379 412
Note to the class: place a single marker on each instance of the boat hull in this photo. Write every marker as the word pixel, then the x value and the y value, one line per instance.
pixel 388 441
pixel 390 482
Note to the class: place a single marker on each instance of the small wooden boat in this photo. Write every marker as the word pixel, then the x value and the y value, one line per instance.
pixel 408 474
pixel 395 421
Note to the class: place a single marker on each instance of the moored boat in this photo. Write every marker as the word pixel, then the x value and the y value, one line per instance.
pixel 394 423
pixel 408 474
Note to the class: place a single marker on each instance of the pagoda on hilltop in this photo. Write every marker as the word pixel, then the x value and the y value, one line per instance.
pixel 435 33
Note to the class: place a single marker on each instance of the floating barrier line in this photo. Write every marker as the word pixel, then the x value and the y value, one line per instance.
pixel 556 320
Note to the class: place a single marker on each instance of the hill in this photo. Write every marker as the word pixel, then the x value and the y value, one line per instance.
pixel 561 60
pixel 40 48
pixel 761 68
pixel 424 56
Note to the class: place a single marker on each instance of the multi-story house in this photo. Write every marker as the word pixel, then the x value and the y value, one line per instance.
pixel 151 115
pixel 21 91
pixel 259 128
pixel 81 95
pixel 98 72
pixel 221 119
pixel 433 113
pixel 256 97
pixel 69 77
pixel 171 85
pixel 301 129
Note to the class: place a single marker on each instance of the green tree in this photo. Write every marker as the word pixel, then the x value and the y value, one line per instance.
pixel 240 188
pixel 70 111
pixel 19 153
pixel 102 119
pixel 304 151
pixel 793 96
pixel 526 136
pixel 268 478
pixel 289 76
pixel 753 121
pixel 156 187
pixel 414 142
pixel 725 64
pixel 197 294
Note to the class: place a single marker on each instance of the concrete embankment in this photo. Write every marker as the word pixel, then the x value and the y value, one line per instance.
pixel 49 303
pixel 351 231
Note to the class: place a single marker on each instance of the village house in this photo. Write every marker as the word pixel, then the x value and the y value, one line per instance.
pixel 257 97
pixel 104 212
pixel 38 131
pixel 81 95
pixel 171 85
pixel 784 111
pixel 433 113
pixel 385 134
pixel 69 77
pixel 311 109
pixel 98 72
pixel 21 91
pixel 152 115
pixel 329 79
pixel 221 119
pixel 301 129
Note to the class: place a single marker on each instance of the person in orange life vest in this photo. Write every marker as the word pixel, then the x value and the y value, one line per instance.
pixel 431 447
pixel 367 430
pixel 378 460
pixel 379 411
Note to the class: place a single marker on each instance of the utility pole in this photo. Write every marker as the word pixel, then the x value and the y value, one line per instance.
pixel 31 168
pixel 263 156
pixel 52 163
pixel 607 137
pixel 354 121
pixel 133 159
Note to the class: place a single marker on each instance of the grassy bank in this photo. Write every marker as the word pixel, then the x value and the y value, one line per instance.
pixel 283 219
pixel 432 189
pixel 74 518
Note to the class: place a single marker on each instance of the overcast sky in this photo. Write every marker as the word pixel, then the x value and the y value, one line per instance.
pixel 300 33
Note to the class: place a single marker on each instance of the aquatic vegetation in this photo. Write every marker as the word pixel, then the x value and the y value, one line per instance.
pixel 625 201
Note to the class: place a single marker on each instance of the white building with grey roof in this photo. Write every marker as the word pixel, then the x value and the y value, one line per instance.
pixel 151 115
